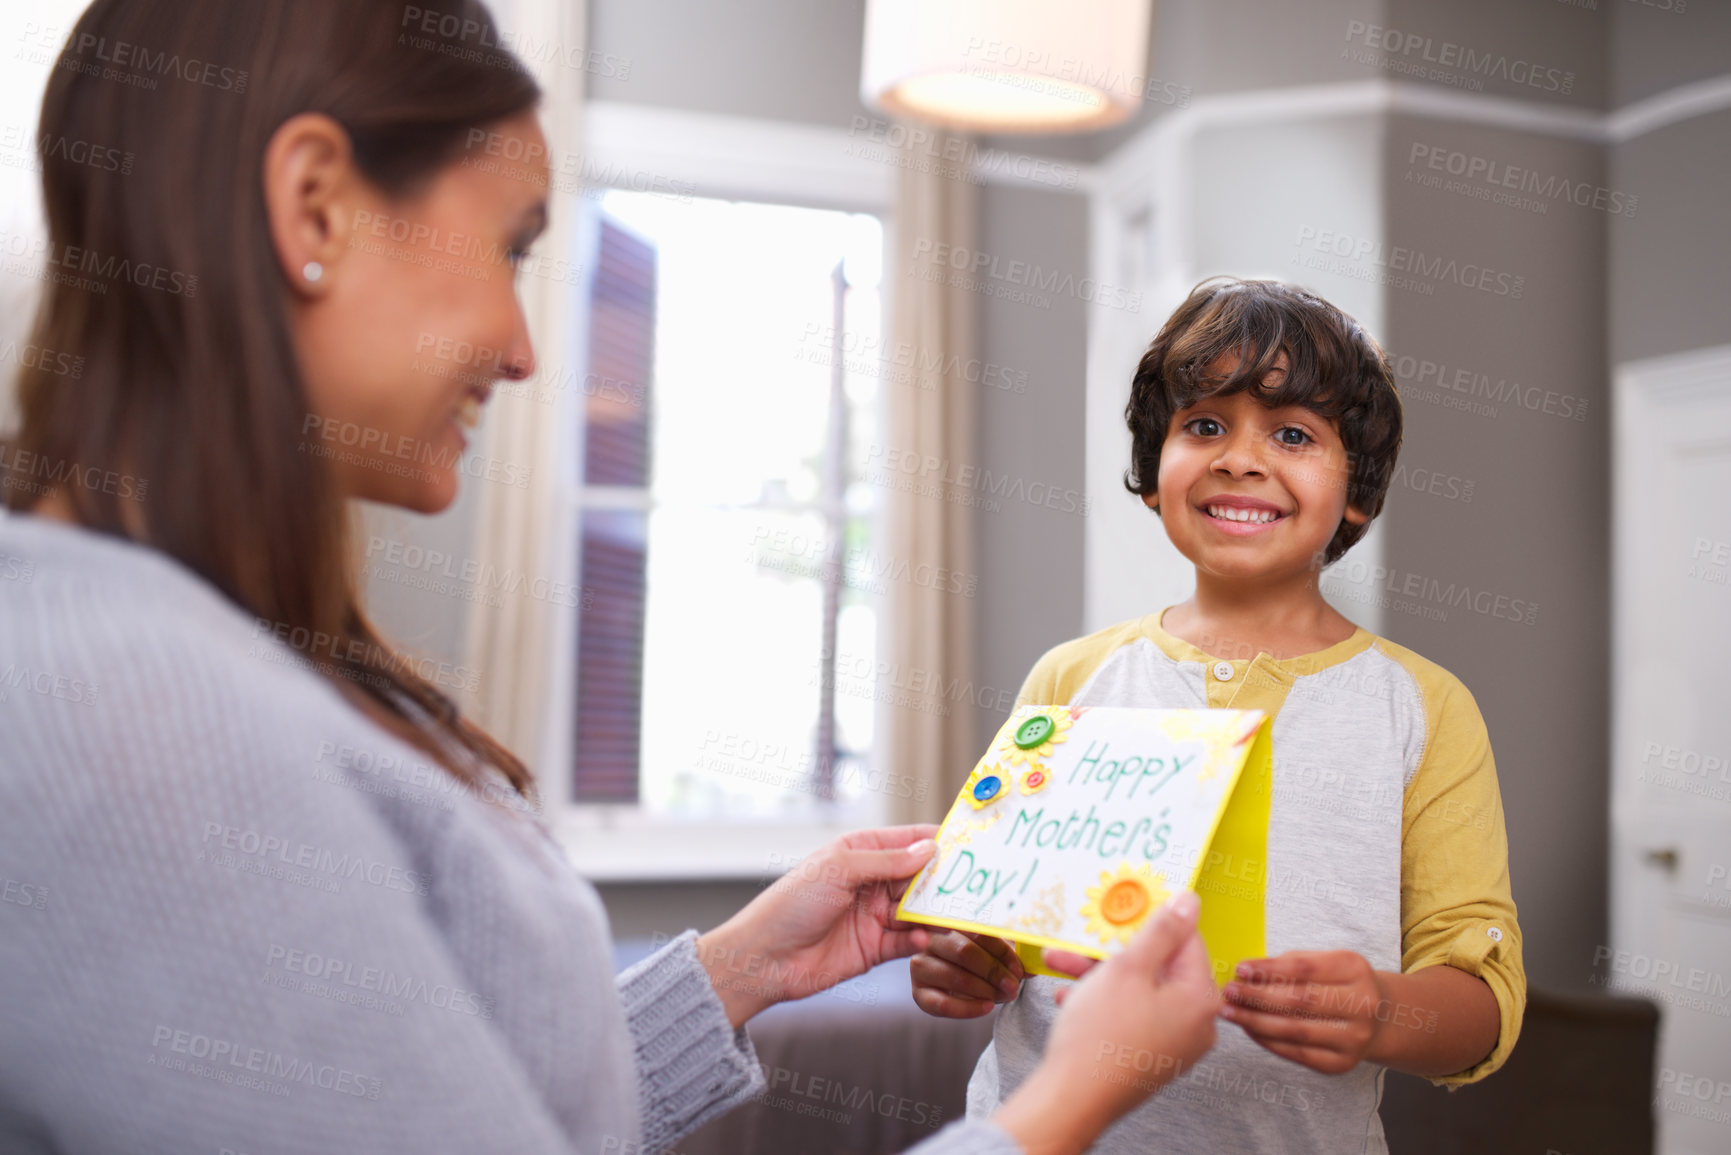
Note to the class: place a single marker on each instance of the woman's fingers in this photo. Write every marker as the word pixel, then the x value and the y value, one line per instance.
pixel 1161 942
pixel 1154 997
pixel 1191 966
pixel 1167 948
pixel 1069 962
pixel 857 866
pixel 887 837
pixel 902 940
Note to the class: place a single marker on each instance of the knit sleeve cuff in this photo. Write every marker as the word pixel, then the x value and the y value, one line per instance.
pixel 692 1065
pixel 968 1137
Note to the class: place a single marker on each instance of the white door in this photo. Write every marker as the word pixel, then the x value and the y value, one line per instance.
pixel 1671 732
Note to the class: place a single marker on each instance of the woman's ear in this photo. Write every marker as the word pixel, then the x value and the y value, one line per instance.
pixel 310 184
pixel 1152 500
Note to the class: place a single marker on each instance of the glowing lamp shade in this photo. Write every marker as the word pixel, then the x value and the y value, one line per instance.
pixel 1006 65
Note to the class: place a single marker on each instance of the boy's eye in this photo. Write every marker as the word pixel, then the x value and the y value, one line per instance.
pixel 1285 429
pixel 1199 421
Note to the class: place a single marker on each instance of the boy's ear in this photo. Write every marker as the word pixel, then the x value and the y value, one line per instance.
pixel 1355 515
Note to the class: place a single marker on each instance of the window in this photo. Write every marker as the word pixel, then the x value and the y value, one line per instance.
pixel 725 526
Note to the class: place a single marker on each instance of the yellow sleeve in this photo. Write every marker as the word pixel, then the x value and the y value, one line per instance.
pixel 1456 908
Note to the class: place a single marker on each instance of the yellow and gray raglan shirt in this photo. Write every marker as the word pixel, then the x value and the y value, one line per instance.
pixel 1385 837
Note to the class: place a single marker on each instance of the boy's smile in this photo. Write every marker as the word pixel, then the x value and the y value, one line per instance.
pixel 1248 492
pixel 1242 516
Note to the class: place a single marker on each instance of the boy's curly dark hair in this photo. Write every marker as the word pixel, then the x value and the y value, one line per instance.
pixel 1335 369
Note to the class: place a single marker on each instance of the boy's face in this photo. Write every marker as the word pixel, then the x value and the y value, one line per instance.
pixel 1228 459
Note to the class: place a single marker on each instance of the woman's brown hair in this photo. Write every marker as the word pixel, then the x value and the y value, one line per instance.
pixel 1334 368
pixel 166 282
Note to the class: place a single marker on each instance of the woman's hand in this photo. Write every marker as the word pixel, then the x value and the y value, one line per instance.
pixel 963 975
pixel 1128 1028
pixel 828 919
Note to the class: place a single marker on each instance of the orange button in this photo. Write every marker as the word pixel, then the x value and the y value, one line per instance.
pixel 1124 901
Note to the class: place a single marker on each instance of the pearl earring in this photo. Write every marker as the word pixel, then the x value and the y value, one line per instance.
pixel 313 271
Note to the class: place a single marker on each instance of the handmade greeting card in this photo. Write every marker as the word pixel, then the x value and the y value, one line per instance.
pixel 1080 821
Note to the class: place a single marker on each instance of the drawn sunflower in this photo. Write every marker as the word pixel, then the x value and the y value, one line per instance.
pixel 1123 901
pixel 1035 737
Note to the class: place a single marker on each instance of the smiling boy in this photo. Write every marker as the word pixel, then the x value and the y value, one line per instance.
pixel 1265 427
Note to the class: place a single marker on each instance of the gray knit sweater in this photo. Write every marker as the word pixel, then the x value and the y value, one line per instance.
pixel 237 916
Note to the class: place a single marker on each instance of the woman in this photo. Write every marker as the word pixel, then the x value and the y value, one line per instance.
pixel 223 934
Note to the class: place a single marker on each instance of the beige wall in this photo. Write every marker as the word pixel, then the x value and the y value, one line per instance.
pixel 1537 525
pixel 1030 555
pixel 1668 264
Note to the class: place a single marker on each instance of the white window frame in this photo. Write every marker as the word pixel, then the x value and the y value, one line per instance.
pixel 735 159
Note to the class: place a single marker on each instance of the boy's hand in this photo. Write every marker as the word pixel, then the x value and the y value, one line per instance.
pixel 1317 1008
pixel 962 975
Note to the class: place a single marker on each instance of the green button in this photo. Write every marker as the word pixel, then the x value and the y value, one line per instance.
pixel 1034 731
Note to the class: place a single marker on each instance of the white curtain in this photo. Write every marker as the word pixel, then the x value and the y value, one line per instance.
pixel 931 630
pixel 522 646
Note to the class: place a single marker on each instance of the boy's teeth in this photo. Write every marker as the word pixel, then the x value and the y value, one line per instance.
pixel 1228 513
pixel 469 411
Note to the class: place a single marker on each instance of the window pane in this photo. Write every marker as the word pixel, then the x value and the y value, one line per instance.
pixel 733 676
pixel 747 524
